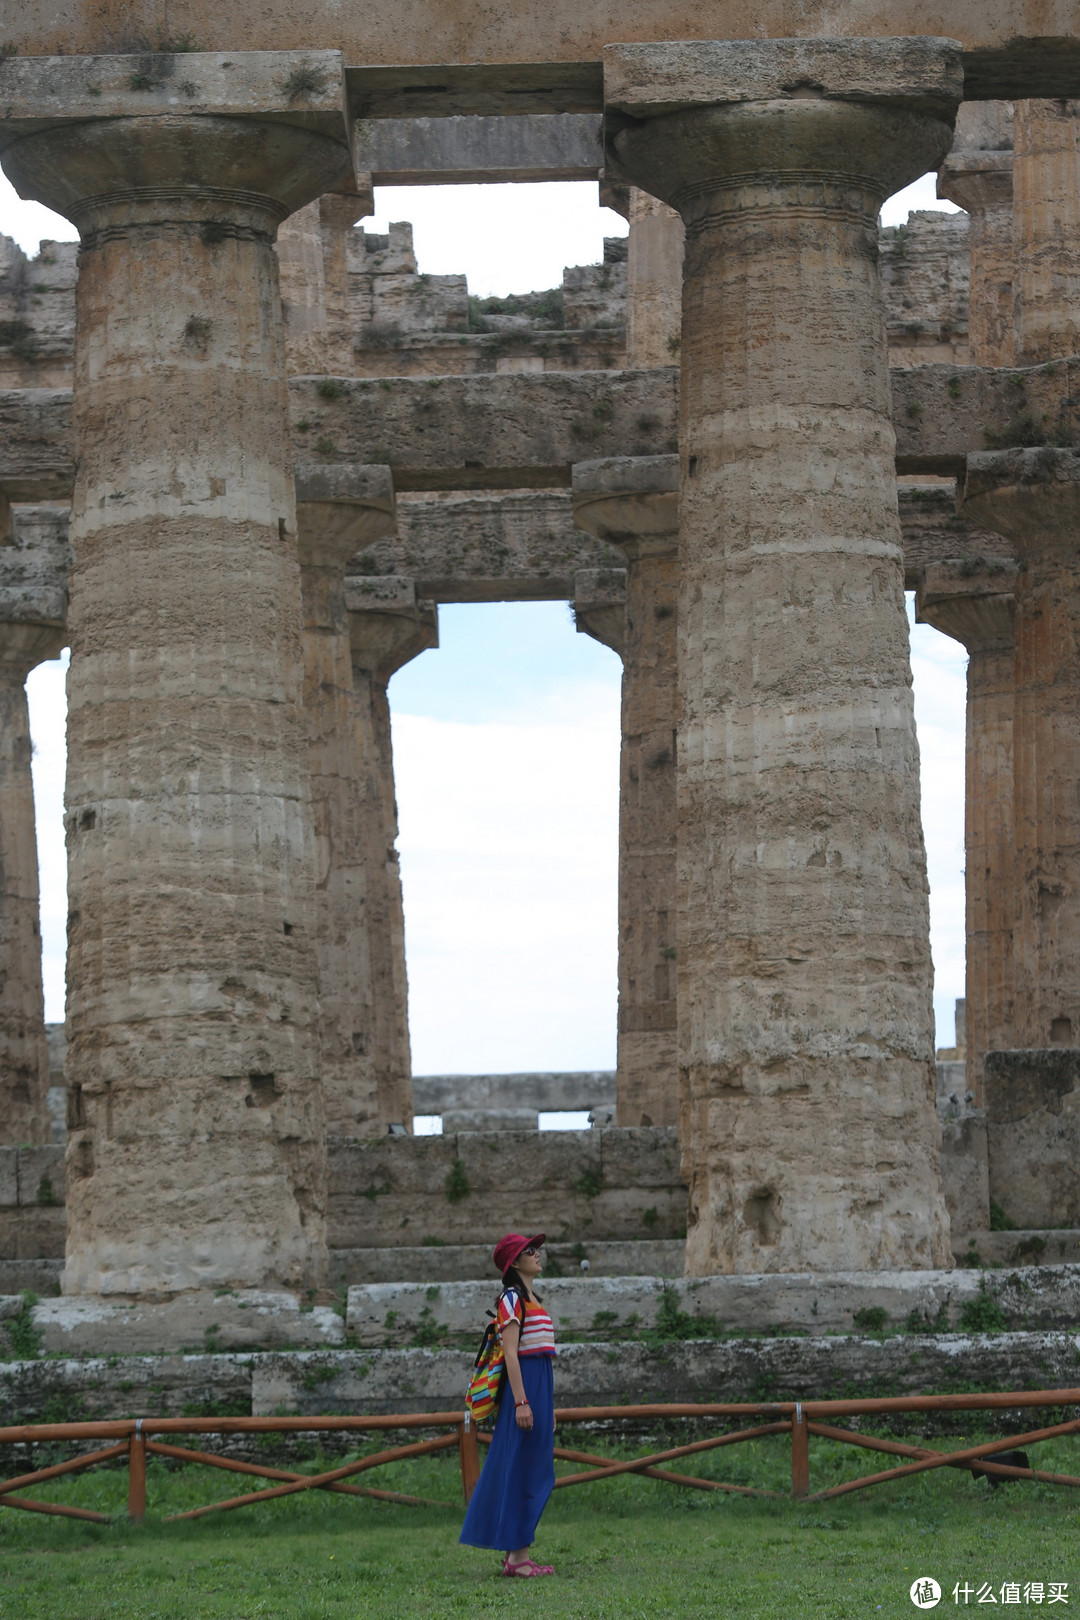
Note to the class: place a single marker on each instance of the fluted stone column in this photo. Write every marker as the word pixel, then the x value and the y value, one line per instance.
pixel 388 627
pixel 805 1026
pixel 978 175
pixel 632 503
pixel 978 611
pixel 654 262
pixel 340 510
pixel 1033 1087
pixel 197 1152
pixel 311 250
pixel 1046 226
pixel 24 1053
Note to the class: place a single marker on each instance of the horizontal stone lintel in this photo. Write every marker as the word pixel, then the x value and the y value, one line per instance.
pixel 468 151
pixel 303 88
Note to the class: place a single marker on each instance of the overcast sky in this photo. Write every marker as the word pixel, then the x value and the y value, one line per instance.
pixel 507 738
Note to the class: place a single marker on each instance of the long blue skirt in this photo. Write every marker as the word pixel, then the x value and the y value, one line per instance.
pixel 518 1474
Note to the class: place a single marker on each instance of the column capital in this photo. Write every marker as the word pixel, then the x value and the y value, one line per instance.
pixel 975 608
pixel 1030 496
pixel 629 501
pixel 600 606
pixel 194 137
pixel 342 509
pixel 388 626
pixel 684 120
pixel 980 182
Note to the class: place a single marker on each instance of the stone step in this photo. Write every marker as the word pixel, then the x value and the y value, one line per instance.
pixel 388 1314
pixel 381 1381
pixel 39 1276
pixel 466 1262
pixel 226 1319
pixel 1052 1247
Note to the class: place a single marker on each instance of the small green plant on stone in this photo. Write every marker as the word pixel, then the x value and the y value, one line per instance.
pixel 371 1191
pixel 871 1318
pixel 457 1184
pixel 674 1324
pixel 45 1194
pixel 23 1336
pixel 590 1184
pixel 999 1221
pixel 330 388
pixel 983 1315
pixel 304 82
pixel 650 1217
pixel 325 446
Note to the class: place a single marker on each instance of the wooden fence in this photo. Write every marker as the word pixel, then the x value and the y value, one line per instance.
pixel 137 1438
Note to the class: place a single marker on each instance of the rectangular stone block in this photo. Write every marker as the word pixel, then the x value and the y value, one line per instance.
pixel 964 1172
pixel 650 80
pixel 1033 1135
pixel 42 1178
pixel 40 1233
pixel 306 88
pixel 640 1157
pixel 83 1389
pixel 9 1177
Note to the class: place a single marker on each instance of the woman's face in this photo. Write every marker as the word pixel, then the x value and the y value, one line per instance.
pixel 530 1263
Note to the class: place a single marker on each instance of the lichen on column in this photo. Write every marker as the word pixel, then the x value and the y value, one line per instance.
pixel 805 1026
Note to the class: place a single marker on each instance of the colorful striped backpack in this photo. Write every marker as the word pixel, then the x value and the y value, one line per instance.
pixel 485 1385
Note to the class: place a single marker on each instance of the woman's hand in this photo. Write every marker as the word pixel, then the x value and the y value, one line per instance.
pixel 524 1416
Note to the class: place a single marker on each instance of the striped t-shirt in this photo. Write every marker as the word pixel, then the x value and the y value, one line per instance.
pixel 538 1334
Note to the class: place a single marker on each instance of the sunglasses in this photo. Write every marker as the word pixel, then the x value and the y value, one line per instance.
pixel 534 1252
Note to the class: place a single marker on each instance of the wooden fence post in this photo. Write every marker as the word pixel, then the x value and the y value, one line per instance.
pixel 800 1453
pixel 469 1452
pixel 137 1475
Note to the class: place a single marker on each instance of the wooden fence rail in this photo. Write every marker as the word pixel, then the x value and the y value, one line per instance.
pixel 134 1438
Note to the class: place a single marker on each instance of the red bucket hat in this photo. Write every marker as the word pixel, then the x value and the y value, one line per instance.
pixel 511 1246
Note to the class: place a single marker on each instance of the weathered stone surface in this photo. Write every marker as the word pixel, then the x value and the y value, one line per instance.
pixel 703 1370
pixel 339 511
pixel 976 607
pixel 37 314
pixel 653 281
pixel 577 1186
pixel 633 504
pixel 122 1385
pixel 815 1304
pixel 1018 1248
pixel 1033 1134
pixel 964 1171
pixel 39 1276
pixel 1046 229
pixel 388 626
pixel 807 1114
pixel 445 1262
pixel 940 413
pixel 924 284
pixel 465 151
pixel 540 1093
pixel 977 175
pixel 24 1054
pixel 243 1319
pixel 489 432
pixel 196 1154
pixel 36 450
pixel 1032 497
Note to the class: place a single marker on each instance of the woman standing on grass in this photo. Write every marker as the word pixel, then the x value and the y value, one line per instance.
pixel 518 1474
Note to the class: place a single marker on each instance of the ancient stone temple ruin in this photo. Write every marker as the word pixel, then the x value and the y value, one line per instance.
pixel 248 450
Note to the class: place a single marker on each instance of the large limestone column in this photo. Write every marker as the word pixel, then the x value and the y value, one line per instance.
pixel 978 175
pixel 654 264
pixel 340 510
pixel 805 1026
pixel 1033 1087
pixel 978 611
pixel 24 1053
pixel 197 1151
pixel 632 502
pixel 311 250
pixel 1046 226
pixel 388 627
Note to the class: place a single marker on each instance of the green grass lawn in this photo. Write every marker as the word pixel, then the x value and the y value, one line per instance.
pixel 625 1547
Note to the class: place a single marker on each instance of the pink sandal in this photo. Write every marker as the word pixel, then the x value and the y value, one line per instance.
pixel 527 1567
